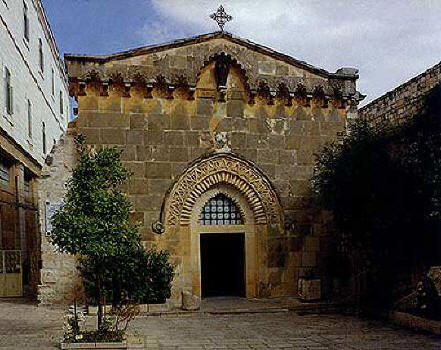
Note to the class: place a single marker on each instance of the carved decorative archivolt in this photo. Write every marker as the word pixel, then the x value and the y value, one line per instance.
pixel 223 169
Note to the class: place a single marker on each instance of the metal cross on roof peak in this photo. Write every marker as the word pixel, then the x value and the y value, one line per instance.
pixel 221 17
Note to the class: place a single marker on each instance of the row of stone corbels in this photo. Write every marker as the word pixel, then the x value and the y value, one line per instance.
pixel 160 87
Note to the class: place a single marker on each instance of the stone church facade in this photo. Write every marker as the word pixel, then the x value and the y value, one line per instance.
pixel 219 134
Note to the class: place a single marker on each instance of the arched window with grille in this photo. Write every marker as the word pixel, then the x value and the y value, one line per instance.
pixel 220 210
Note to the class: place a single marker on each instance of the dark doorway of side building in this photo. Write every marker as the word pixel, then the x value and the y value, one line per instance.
pixel 223 264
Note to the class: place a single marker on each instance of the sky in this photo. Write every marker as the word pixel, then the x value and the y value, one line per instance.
pixel 389 41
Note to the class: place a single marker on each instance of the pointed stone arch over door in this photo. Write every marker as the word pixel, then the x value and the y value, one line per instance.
pixel 250 191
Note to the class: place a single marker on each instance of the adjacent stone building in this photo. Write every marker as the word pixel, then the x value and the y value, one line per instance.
pixel 34 113
pixel 403 102
pixel 219 133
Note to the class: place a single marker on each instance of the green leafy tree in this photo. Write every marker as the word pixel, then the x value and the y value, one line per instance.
pixel 383 186
pixel 94 225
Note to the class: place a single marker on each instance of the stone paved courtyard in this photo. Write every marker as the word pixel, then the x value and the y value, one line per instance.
pixel 24 326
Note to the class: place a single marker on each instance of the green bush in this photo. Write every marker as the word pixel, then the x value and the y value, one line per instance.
pixel 145 278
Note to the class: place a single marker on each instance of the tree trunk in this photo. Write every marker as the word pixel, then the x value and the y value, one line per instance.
pixel 116 290
pixel 99 301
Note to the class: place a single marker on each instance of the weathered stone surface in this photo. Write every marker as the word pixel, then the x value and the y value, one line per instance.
pixel 310 289
pixel 25 326
pixel 59 276
pixel 190 302
pixel 168 114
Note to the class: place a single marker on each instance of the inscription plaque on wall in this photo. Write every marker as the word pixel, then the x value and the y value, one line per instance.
pixel 51 209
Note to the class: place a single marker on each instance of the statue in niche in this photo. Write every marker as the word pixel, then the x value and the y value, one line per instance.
pixel 221 69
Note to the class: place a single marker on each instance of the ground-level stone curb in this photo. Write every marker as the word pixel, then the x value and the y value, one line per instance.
pixel 414 322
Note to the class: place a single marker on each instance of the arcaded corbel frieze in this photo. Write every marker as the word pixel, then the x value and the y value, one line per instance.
pixel 264 94
pixel 104 88
pixel 181 88
pixel 319 98
pixel 148 91
pixel 161 87
pixel 252 97
pixel 127 87
pixel 73 88
pixel 82 88
pixel 77 88
pixel 282 95
pixel 177 84
pixel 301 96
pixel 337 100
pixel 170 91
pixel 139 85
pixel 191 92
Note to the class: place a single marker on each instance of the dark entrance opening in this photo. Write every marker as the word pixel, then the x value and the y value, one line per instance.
pixel 223 264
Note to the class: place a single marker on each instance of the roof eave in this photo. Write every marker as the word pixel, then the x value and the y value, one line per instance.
pixel 102 59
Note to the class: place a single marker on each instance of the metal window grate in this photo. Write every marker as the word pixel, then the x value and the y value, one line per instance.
pixel 220 210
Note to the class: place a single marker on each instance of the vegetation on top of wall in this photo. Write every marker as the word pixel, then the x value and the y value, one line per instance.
pixel 383 187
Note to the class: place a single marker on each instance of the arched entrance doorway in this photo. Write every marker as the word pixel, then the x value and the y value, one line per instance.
pixel 221 254
pixel 224 250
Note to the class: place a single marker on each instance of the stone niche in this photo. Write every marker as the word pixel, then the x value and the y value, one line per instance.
pixel 208 115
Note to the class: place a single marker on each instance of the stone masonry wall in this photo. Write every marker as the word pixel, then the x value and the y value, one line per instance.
pixel 161 137
pixel 162 128
pixel 404 101
pixel 58 272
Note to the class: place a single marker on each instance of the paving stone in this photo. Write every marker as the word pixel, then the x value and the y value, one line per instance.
pixel 26 326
